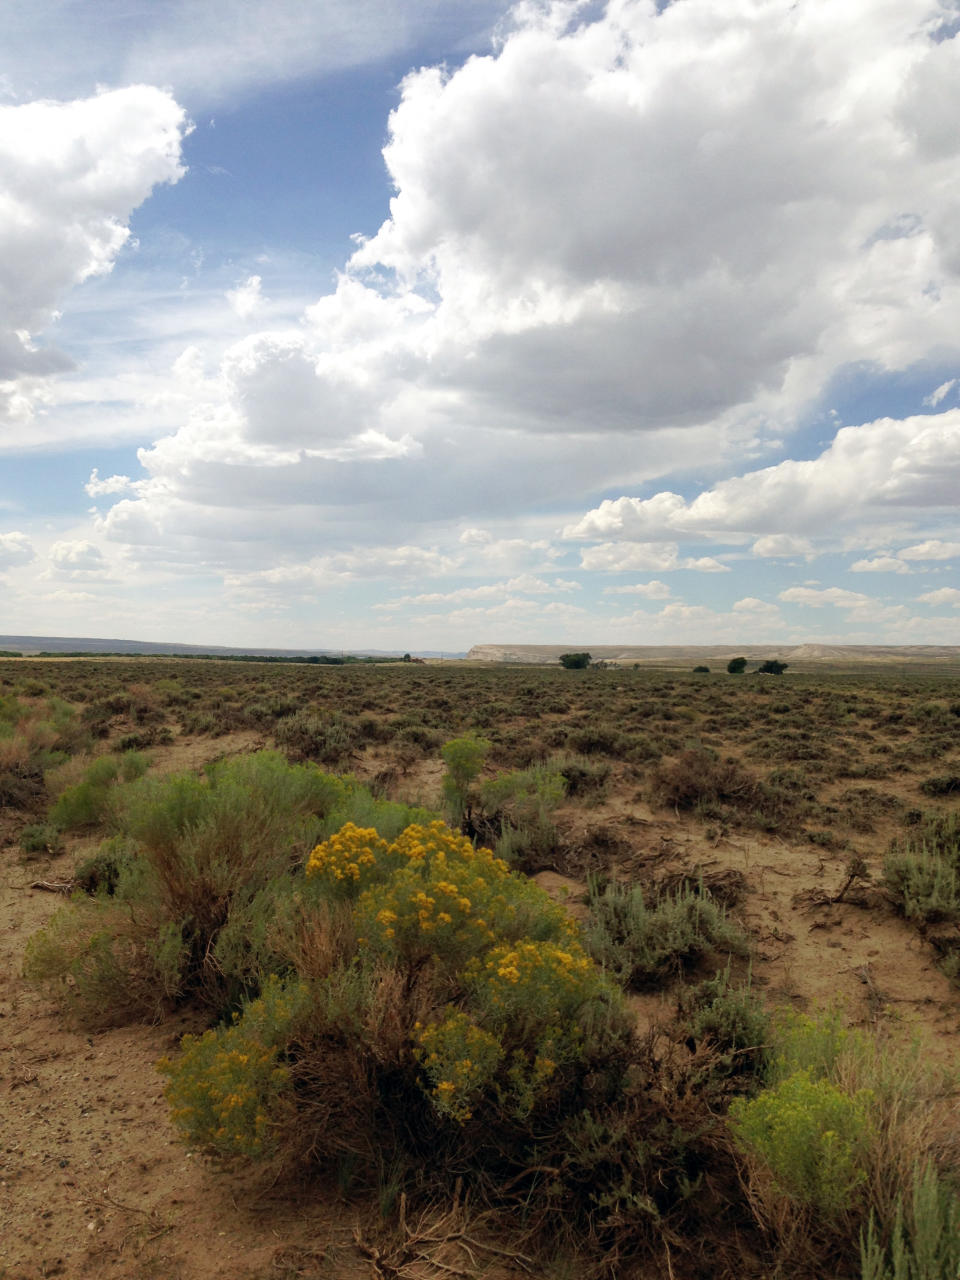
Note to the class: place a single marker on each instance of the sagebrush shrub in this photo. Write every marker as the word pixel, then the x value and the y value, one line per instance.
pixel 732 1020
pixel 924 1240
pixel 640 943
pixel 464 758
pixel 311 735
pixel 104 966
pixel 87 803
pixel 923 873
pixel 206 860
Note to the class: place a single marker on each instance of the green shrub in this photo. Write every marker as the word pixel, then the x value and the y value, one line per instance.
pixel 311 735
pixel 595 740
pixel 699 778
pixel 442 1005
pixel 514 812
pixel 105 967
pixel 945 785
pixel 88 803
pixel 192 853
pixel 912 1105
pixel 208 846
pixel 923 872
pixel 40 838
pixel 102 872
pixel 732 1021
pixel 357 805
pixel 640 944
pixel 923 1242
pixel 525 794
pixel 33 739
pixel 583 777
pixel 810 1138
pixel 464 758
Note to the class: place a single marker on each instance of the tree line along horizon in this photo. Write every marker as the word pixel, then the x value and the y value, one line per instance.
pixel 735 667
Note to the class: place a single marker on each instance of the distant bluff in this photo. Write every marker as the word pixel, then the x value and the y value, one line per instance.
pixel 680 655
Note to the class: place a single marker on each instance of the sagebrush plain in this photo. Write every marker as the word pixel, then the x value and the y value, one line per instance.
pixel 747 887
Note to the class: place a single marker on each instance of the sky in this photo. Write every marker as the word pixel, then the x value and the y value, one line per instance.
pixel 419 324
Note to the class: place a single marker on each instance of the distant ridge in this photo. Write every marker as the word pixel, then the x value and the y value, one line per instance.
pixel 623 655
pixel 86 644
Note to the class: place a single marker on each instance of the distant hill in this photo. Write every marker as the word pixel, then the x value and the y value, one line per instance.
pixel 86 644
pixel 681 655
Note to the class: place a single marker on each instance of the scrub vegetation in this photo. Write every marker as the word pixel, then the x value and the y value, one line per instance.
pixel 449 936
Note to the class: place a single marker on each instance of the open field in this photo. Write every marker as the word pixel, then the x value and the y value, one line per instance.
pixel 814 813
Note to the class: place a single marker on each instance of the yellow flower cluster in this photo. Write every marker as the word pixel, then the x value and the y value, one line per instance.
pixel 224 1086
pixel 436 843
pixel 540 979
pixel 348 860
pixel 218 1093
pixel 459 1059
pixel 431 892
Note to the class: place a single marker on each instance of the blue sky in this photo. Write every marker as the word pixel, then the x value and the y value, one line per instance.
pixel 437 324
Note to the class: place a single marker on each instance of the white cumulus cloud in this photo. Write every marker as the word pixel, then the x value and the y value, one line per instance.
pixel 880 470
pixel 73 173
pixel 945 595
pixel 880 564
pixel 246 298
pixel 15 549
pixel 932 549
pixel 652 590
pixel 76 558
pixel 818 597
pixel 777 545
pixel 98 488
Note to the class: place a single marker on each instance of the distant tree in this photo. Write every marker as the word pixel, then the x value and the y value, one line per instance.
pixel 772 667
pixel 701 670
pixel 575 661
pixel 737 666
pixel 406 658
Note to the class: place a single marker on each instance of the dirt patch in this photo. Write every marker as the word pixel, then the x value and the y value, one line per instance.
pixel 94 1181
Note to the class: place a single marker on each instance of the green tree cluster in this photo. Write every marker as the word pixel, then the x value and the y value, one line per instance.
pixel 575 661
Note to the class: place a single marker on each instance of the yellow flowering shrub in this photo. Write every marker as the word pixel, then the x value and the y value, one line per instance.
pixel 225 1086
pixel 446 899
pixel 446 933
pixel 531 994
pixel 459 1060
pixel 348 861
pixel 543 981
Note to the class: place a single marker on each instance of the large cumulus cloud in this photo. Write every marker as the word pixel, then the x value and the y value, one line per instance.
pixel 619 245
pixel 871 473
pixel 73 174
